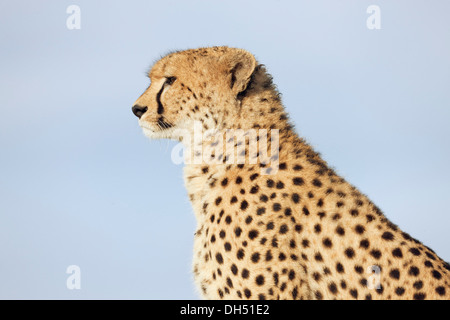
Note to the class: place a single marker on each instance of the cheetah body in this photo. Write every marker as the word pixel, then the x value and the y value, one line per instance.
pixel 297 231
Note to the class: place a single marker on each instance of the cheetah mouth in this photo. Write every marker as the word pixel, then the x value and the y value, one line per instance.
pixel 160 125
pixel 153 129
pixel 157 131
pixel 164 124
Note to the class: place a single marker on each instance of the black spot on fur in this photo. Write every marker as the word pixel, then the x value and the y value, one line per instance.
pixel 340 231
pixel 418 285
pixel 255 257
pixel 298 181
pixel 283 229
pixel 317 183
pixel 364 244
pixel 419 296
pixel 399 291
pixel 436 274
pixel 234 269
pixel 305 211
pixel 413 271
pixel 253 234
pixel 327 243
pixel 333 288
pixel 397 252
pixel 295 198
pixel 440 291
pixel 387 236
pixel 359 229
pixel 375 253
pixel 349 252
pixel 276 207
pixel 259 280
pixel 394 274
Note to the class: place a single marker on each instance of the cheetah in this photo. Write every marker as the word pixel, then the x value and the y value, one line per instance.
pixel 283 227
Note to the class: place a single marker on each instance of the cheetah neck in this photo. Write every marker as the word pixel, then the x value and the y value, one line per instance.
pixel 264 114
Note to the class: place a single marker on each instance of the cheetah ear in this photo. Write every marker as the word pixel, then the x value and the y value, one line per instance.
pixel 240 65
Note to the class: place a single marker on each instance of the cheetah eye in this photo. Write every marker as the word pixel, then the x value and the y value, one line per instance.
pixel 170 80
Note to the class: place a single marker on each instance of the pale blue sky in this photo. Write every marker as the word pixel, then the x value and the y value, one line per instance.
pixel 80 184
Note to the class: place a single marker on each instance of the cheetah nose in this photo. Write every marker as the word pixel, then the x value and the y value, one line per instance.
pixel 139 110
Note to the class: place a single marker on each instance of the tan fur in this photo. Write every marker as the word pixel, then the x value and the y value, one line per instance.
pixel 316 236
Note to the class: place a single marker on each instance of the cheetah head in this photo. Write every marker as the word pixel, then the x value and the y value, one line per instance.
pixel 200 85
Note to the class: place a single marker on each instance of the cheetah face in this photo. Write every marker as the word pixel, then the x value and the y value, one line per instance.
pixel 154 108
pixel 192 86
